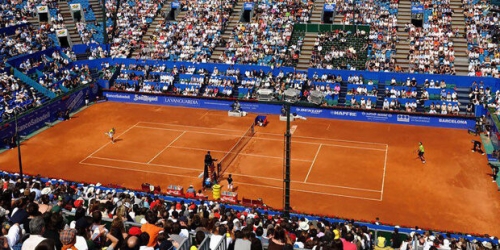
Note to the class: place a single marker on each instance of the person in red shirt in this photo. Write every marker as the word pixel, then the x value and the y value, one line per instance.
pixel 347 242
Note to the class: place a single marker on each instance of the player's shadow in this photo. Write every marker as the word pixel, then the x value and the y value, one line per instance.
pixel 118 140
pixel 235 188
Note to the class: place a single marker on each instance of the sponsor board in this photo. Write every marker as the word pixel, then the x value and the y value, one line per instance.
pixel 37 119
pixel 329 8
pixel 264 108
pixel 62 33
pixel 42 9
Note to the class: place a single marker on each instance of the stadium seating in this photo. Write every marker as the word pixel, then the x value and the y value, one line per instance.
pixel 17 97
pixel 481 25
pixel 265 39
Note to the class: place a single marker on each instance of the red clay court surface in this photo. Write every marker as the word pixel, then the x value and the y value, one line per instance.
pixel 348 169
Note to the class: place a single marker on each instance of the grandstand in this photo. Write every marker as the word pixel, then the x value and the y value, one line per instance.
pixel 387 63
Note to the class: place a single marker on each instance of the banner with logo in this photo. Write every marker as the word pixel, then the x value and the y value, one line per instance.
pixel 42 9
pixel 35 120
pixel 417 9
pixel 62 33
pixel 75 7
pixel 329 8
pixel 248 6
pixel 265 108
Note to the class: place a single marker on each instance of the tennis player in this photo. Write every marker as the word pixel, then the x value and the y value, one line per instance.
pixel 421 152
pixel 111 134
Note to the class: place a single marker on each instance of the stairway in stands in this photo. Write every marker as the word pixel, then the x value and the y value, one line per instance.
pixel 234 19
pixel 69 23
pixel 317 10
pixel 97 8
pixel 152 27
pixel 34 22
pixel 310 37
pixel 403 45
pixel 459 43
pixel 307 50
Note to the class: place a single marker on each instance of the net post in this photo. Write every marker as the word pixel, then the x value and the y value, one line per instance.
pixel 219 169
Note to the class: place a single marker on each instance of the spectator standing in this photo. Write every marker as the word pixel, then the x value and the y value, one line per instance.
pixel 200 236
pixel 37 228
pixel 244 243
pixel 150 228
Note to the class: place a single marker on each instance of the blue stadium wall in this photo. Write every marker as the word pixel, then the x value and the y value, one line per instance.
pixel 306 111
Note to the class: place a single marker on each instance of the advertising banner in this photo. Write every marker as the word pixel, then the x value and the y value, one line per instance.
pixel 417 9
pixel 329 8
pixel 75 7
pixel 175 5
pixel 62 33
pixel 35 120
pixel 42 9
pixel 248 6
pixel 265 108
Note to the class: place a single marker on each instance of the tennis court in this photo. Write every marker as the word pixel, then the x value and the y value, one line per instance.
pixel 253 159
pixel 348 169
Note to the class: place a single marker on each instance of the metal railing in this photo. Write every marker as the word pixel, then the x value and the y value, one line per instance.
pixel 222 245
pixel 205 244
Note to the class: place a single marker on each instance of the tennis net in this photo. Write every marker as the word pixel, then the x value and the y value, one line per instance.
pixel 235 150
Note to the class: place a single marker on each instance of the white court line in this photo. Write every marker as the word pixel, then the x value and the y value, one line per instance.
pixel 383 175
pixel 234 174
pixel 221 151
pixel 103 146
pixel 261 138
pixel 309 183
pixel 322 138
pixel 239 183
pixel 143 163
pixel 198 127
pixel 324 144
pixel 307 191
pixel 139 170
pixel 201 117
pixel 196 132
pixel 312 164
pixel 273 134
pixel 163 150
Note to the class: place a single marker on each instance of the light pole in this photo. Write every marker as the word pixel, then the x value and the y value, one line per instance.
pixel 18 149
pixel 286 174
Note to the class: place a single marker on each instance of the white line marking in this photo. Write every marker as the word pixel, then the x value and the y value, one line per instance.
pixel 312 164
pixel 103 146
pixel 309 183
pixel 307 191
pixel 172 142
pixel 221 151
pixel 328 139
pixel 315 143
pixel 144 163
pixel 198 127
pixel 201 117
pixel 268 139
pixel 196 132
pixel 273 134
pixel 239 183
pixel 140 170
pixel 383 175
pixel 235 174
